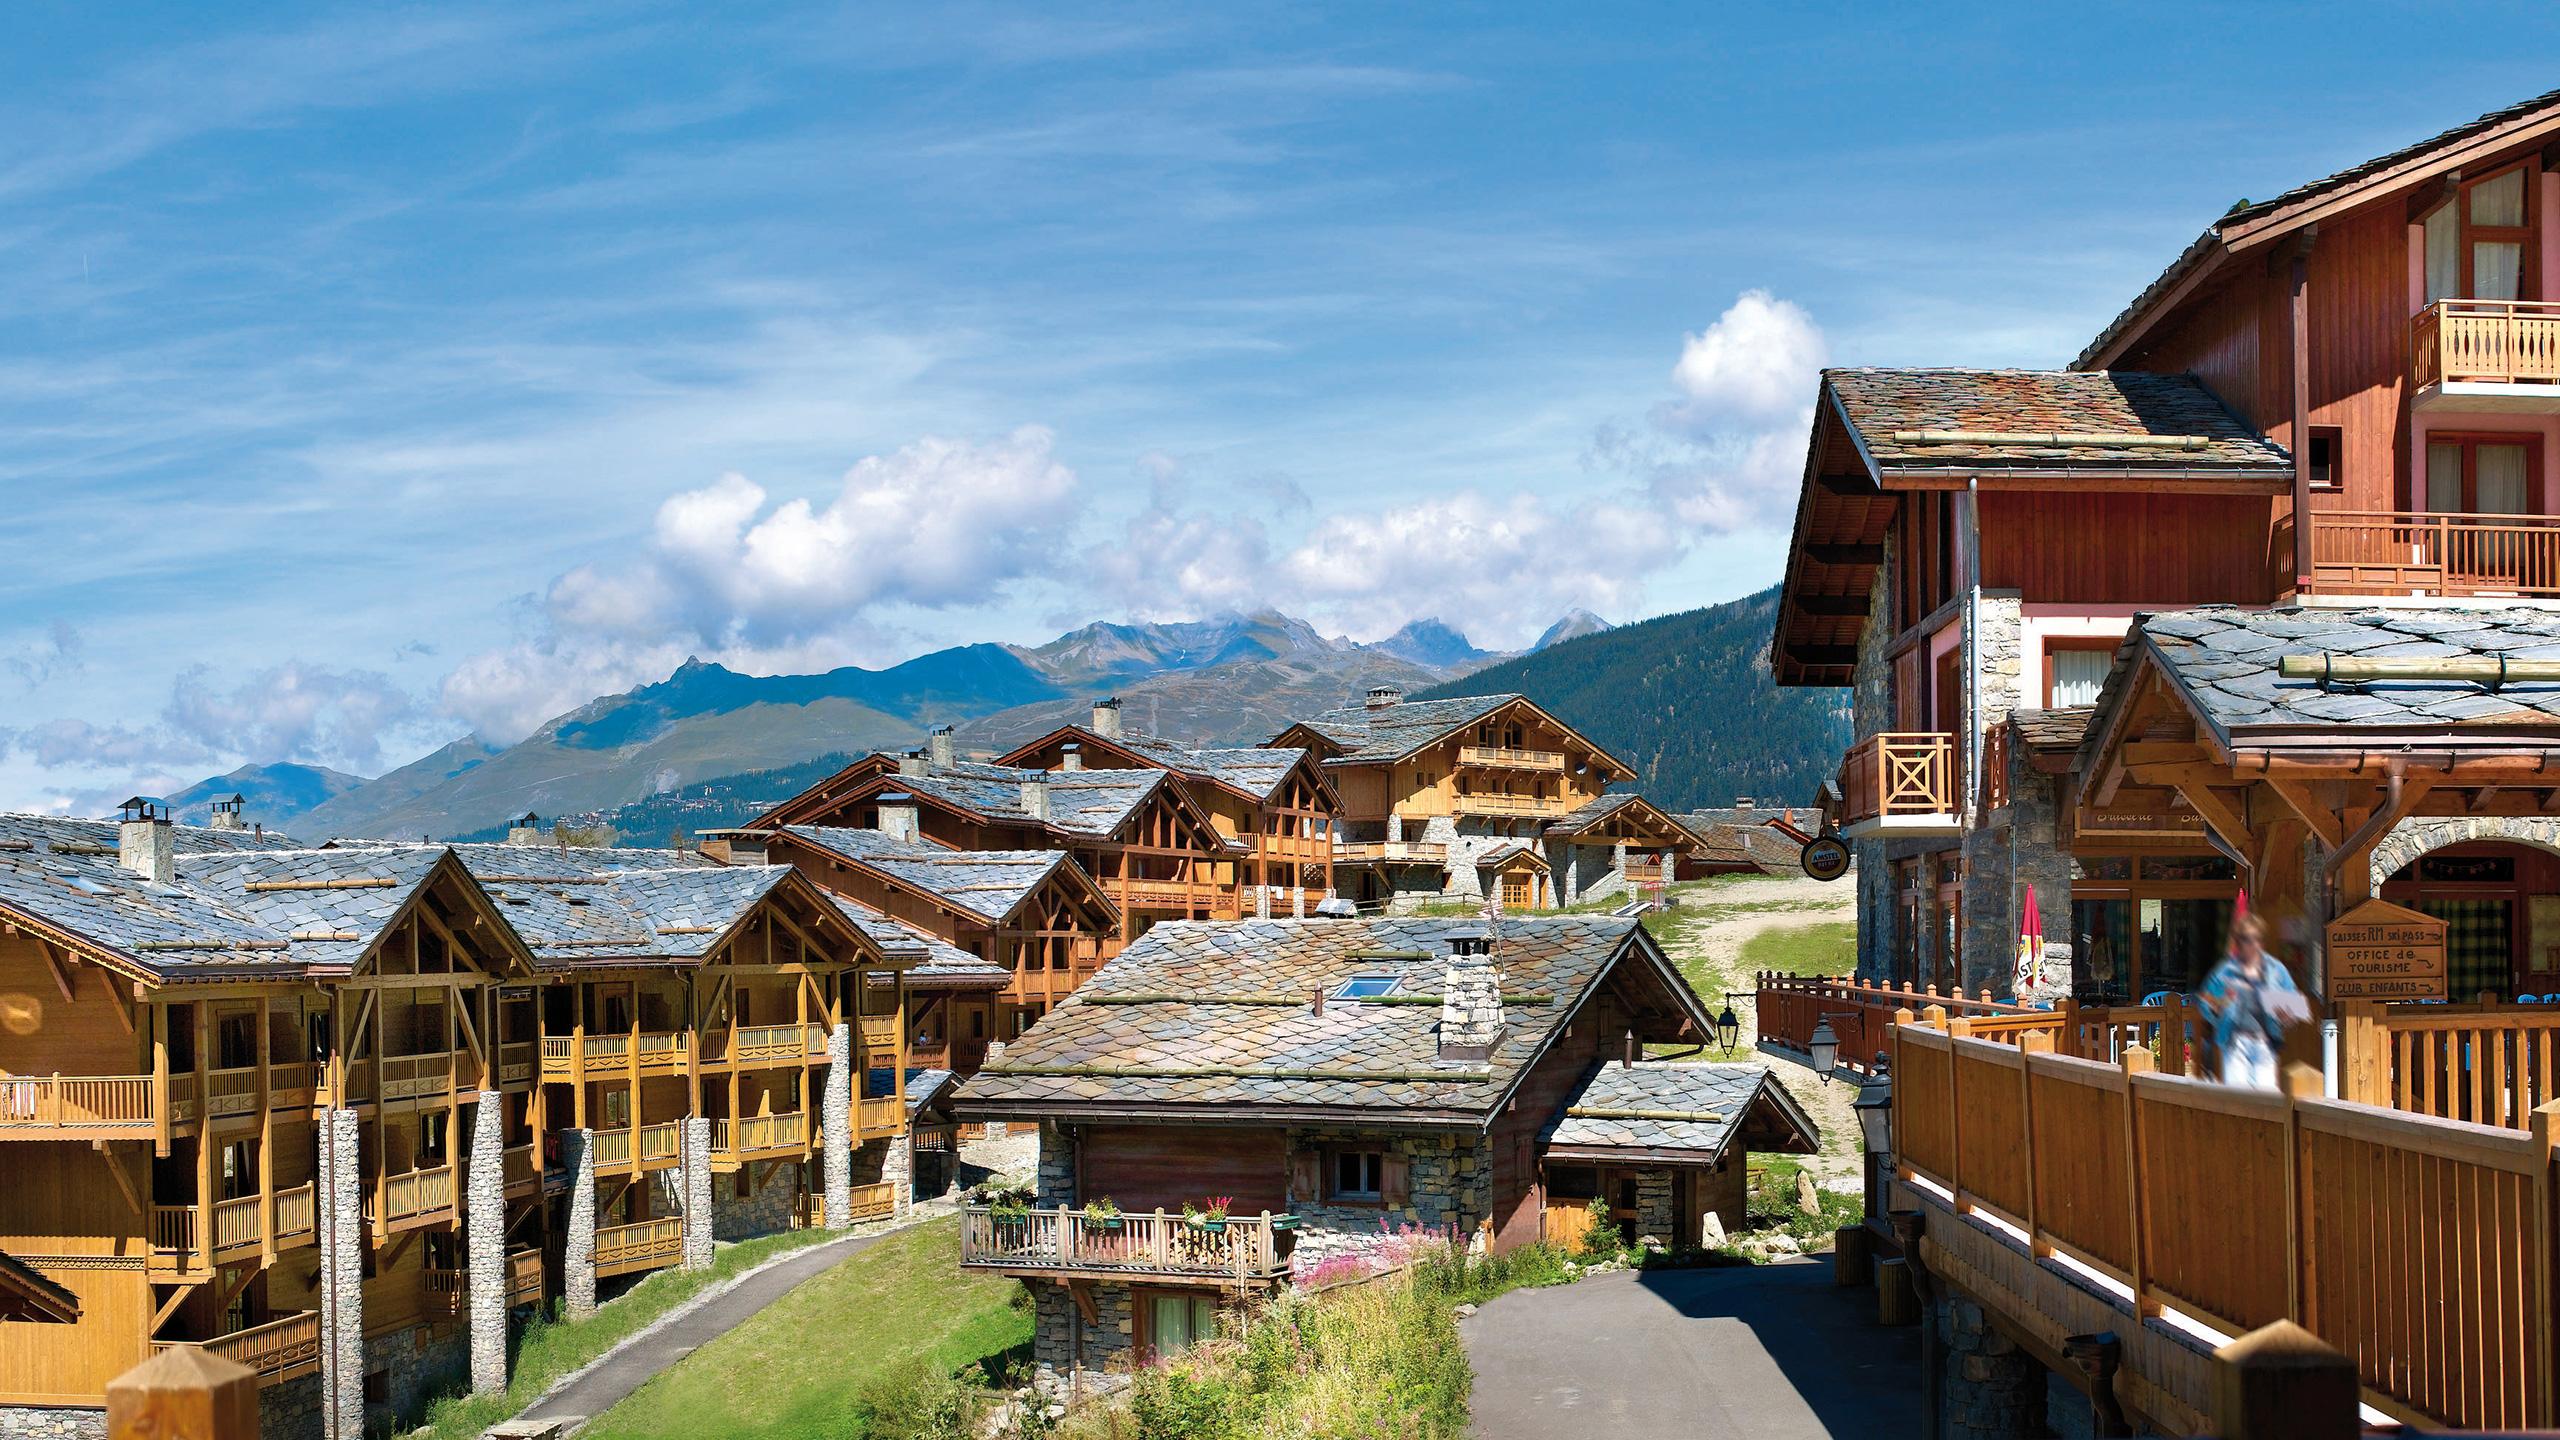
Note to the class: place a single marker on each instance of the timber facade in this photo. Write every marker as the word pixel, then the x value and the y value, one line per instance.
pixel 343 1115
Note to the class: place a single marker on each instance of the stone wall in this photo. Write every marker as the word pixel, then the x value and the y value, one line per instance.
pixel 1871 711
pixel 767 1208
pixel 1992 1390
pixel 1057 1182
pixel 291 1411
pixel 1064 1344
pixel 417 1365
pixel 41 1422
pixel 1657 1215
pixel 1452 1190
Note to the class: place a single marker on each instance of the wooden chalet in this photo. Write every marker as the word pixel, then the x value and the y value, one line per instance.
pixel 1139 833
pixel 2251 601
pixel 1015 931
pixel 1622 837
pixel 1276 800
pixel 288 1104
pixel 1429 787
pixel 1335 1077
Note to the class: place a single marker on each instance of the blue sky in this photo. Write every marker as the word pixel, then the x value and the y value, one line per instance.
pixel 372 375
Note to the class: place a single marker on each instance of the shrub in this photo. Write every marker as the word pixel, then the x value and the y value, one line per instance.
pixel 1178 1404
pixel 916 1401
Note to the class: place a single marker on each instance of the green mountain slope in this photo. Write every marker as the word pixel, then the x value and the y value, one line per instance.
pixel 1688 701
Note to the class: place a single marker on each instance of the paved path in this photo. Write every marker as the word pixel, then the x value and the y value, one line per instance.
pixel 622 1371
pixel 1775 1352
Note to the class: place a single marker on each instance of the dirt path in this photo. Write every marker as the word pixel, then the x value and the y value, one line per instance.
pixel 1716 921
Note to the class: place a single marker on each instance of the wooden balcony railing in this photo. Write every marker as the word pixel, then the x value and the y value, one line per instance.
pixel 1173 894
pixel 1245 1248
pixel 175 1238
pixel 2399 552
pixel 764 1045
pixel 2422 1248
pixel 1786 1008
pixel 757 1136
pixel 1496 803
pixel 297 1216
pixel 658 1051
pixel 416 1195
pixel 870 1202
pixel 2486 1064
pixel 1496 757
pixel 2498 342
pixel 647 1245
pixel 656 1145
pixel 522 1169
pixel 1899 783
pixel 524 1277
pixel 1416 851
pixel 449 1291
pixel 76 1107
pixel 884 1116
pixel 279 1350
pixel 877 1032
pixel 518 1062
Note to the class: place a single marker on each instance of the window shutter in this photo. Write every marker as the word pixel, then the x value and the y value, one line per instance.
pixel 1395 1180
pixel 1306 1177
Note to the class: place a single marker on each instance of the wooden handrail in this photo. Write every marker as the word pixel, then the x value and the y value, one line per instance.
pixel 2395 552
pixel 2504 342
pixel 75 1102
pixel 1244 1247
pixel 290 1343
pixel 1898 773
pixel 1501 757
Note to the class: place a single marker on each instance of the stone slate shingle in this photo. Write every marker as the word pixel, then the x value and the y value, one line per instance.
pixel 989 883
pixel 1726 1091
pixel 1885 403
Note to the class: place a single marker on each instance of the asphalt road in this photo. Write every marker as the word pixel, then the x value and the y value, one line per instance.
pixel 1775 1352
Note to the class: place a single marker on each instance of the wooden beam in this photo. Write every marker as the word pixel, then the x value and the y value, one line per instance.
pixel 177 1297
pixel 124 1182
pixel 2218 817
pixel 117 999
pixel 1832 607
pixel 2306 807
pixel 1845 554
pixel 53 962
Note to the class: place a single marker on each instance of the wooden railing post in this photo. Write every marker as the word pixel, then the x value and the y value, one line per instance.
pixel 2543 1287
pixel 2136 1062
pixel 183 1393
pixel 2031 1044
pixel 2301 1082
pixel 2281 1382
pixel 1957 1029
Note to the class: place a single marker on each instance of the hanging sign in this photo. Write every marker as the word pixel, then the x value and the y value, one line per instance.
pixel 2382 951
pixel 1825 858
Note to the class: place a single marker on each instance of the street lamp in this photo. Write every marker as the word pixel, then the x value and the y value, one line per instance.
pixel 1874 1108
pixel 1826 1049
pixel 1728 1029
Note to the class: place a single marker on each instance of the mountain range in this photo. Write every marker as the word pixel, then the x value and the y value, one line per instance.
pixel 271 795
pixel 1235 679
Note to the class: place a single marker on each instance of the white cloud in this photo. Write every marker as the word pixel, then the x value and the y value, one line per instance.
pixel 1757 363
pixel 295 711
pixel 59 651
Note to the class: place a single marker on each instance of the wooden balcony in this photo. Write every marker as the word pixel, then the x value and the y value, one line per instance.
pixel 1172 895
pixel 1899 784
pixel 419 1197
pixel 655 1146
pixel 449 1291
pixel 523 1169
pixel 2399 552
pixel 647 1245
pixel 870 1202
pixel 764 1045
pixel 660 1052
pixel 1496 757
pixel 239 1227
pixel 1246 1250
pixel 77 1107
pixel 280 1350
pixel 877 1032
pixel 1391 852
pixel 2487 355
pixel 758 1137
pixel 1496 804
pixel 518 1062
pixel 880 1119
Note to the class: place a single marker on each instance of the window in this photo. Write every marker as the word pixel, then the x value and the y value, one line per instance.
pixel 2476 243
pixel 1357 1174
pixel 1175 1323
pixel 617 1108
pixel 2075 668
pixel 2482 474
pixel 2326 442
pixel 1365 987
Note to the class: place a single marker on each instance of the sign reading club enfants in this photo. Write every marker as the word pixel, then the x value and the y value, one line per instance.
pixel 2382 951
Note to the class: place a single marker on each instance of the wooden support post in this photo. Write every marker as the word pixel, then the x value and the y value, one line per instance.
pixel 1853 1251
pixel 2281 1380
pixel 2136 1062
pixel 1897 1298
pixel 184 1393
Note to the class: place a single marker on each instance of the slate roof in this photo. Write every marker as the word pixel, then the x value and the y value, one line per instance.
pixel 1722 845
pixel 2224 659
pixel 1631 1109
pixel 1600 808
pixel 1774 850
pixel 1081 802
pixel 1391 732
pixel 1169 1023
pixel 315 918
pixel 924 1089
pixel 2051 735
pixel 585 905
pixel 943 966
pixel 1883 404
pixel 1255 770
pixel 988 883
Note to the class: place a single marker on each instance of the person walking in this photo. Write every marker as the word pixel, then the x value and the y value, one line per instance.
pixel 2250 999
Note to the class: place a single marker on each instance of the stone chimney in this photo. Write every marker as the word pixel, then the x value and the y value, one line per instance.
pixel 226 813
pixel 1470 1000
pixel 1382 696
pixel 898 815
pixel 1106 717
pixel 1035 798
pixel 1746 802
pixel 937 748
pixel 911 763
pixel 525 829
pixel 144 842
pixel 1070 757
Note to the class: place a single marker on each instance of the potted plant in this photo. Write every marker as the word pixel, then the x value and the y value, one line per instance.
pixel 1210 1214
pixel 1010 1207
pixel 1102 1214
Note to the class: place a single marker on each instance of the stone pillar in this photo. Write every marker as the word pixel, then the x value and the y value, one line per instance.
pixel 1298 902
pixel 835 1123
pixel 1395 828
pixel 897 1167
pixel 1057 1182
pixel 485 1244
pixel 699 1224
pixel 578 1249
pixel 1261 902
pixel 1572 873
pixel 1618 861
pixel 340 1214
pixel 1993 1390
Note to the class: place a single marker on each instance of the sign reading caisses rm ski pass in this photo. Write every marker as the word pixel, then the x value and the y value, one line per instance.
pixel 2382 951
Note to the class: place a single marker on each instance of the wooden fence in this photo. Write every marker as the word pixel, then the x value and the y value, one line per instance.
pixel 2424 1248
pixel 1242 1248
pixel 2488 1064
pixel 1861 1015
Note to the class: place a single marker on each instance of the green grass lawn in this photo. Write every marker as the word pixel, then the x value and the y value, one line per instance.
pixel 553 1348
pixel 796 1371
pixel 1828 947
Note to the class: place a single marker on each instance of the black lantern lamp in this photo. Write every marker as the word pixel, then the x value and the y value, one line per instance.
pixel 1826 1049
pixel 1874 1108
pixel 1728 1029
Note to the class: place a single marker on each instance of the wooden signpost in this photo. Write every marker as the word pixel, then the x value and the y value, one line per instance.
pixel 2382 951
